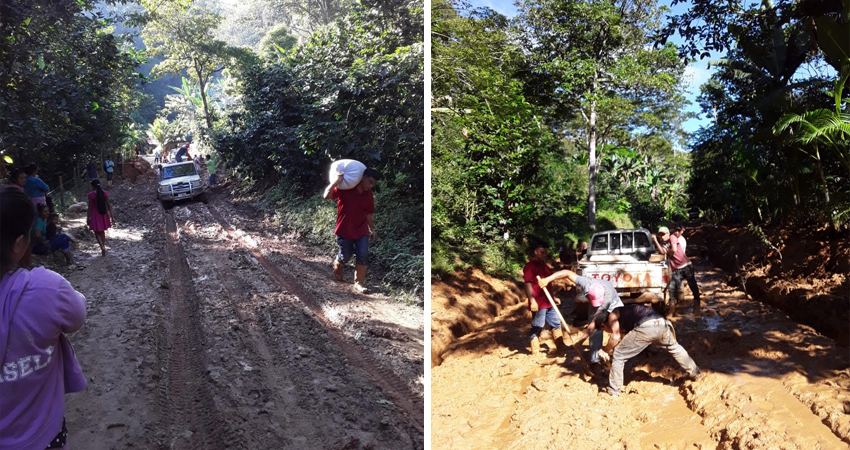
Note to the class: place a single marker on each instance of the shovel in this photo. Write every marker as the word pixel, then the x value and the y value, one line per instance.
pixel 567 329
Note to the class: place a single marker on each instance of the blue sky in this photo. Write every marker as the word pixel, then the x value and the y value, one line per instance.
pixel 697 72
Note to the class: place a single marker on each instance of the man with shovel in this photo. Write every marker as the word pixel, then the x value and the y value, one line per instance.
pixel 542 310
pixel 603 299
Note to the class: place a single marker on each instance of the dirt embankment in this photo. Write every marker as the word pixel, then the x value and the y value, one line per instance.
pixel 804 272
pixel 465 302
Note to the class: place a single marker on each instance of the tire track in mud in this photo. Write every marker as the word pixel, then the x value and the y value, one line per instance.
pixel 268 384
pixel 382 377
pixel 187 409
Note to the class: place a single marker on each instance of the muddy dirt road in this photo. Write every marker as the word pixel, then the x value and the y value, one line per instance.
pixel 768 382
pixel 209 329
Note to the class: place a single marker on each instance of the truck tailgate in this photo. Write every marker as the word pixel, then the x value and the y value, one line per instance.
pixel 637 277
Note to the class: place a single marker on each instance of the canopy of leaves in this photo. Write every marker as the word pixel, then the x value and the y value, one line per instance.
pixel 353 90
pixel 778 147
pixel 68 84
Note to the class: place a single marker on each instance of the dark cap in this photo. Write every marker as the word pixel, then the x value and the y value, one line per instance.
pixel 372 173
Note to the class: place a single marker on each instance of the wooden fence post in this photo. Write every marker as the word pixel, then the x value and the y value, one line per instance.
pixel 61 193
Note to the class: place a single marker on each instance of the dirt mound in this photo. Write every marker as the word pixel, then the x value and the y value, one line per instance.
pixel 465 302
pixel 803 271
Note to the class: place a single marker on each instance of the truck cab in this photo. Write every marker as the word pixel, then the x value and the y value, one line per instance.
pixel 180 181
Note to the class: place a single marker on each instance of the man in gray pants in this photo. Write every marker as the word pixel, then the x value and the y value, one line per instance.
pixel 641 326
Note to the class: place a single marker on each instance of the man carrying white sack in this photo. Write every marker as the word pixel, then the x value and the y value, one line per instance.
pixel 354 224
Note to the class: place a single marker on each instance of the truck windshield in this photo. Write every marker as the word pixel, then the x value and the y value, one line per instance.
pixel 178 171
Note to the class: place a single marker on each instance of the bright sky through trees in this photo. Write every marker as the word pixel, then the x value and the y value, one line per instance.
pixel 698 71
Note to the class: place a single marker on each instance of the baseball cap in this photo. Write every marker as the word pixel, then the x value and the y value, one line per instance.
pixel 595 294
pixel 664 230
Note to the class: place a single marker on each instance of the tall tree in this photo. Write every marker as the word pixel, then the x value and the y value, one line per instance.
pixel 184 36
pixel 588 58
pixel 66 83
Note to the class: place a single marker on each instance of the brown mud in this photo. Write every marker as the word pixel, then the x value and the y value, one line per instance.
pixel 208 328
pixel 768 381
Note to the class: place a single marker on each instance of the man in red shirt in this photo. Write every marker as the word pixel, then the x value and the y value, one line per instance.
pixel 680 267
pixel 541 309
pixel 354 224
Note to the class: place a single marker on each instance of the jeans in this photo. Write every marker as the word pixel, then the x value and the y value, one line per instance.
pixel 542 317
pixel 212 179
pixel 359 247
pixel 657 331
pixel 60 241
pixel 686 273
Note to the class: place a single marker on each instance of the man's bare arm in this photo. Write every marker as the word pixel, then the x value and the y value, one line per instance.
pixel 330 188
pixel 557 275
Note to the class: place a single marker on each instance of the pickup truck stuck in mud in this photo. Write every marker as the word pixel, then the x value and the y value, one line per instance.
pixel 628 260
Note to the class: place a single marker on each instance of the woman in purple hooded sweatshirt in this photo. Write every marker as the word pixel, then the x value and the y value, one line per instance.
pixel 37 364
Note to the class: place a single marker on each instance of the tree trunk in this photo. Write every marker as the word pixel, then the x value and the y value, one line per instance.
pixel 591 166
pixel 202 83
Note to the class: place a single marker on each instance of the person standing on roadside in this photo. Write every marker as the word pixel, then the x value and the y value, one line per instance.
pixel 37 308
pixel 100 216
pixel 212 165
pixel 108 167
pixel 34 187
pixel 354 224
pixel 542 311
pixel 17 179
pixel 91 170
pixel 603 298
pixel 678 231
pixel 680 266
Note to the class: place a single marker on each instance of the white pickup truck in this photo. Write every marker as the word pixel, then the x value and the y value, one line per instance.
pixel 629 260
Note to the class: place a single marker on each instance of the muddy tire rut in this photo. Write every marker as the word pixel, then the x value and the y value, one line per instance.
pixel 187 410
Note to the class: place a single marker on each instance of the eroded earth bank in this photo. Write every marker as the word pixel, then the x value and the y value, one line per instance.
pixel 769 382
pixel 208 328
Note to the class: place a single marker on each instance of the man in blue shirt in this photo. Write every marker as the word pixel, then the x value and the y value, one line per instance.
pixel 108 167
pixel 35 187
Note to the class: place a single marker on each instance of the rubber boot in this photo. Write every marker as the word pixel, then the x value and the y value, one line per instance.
pixel 558 336
pixel 338 265
pixel 535 345
pixel 360 279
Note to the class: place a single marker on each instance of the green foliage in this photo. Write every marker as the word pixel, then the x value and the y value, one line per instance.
pixel 758 232
pixel 67 85
pixel 776 151
pixel 353 90
pixel 276 42
pixel 183 34
pixel 592 65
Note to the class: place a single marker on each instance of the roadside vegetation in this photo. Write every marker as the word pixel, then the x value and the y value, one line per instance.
pixel 567 119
